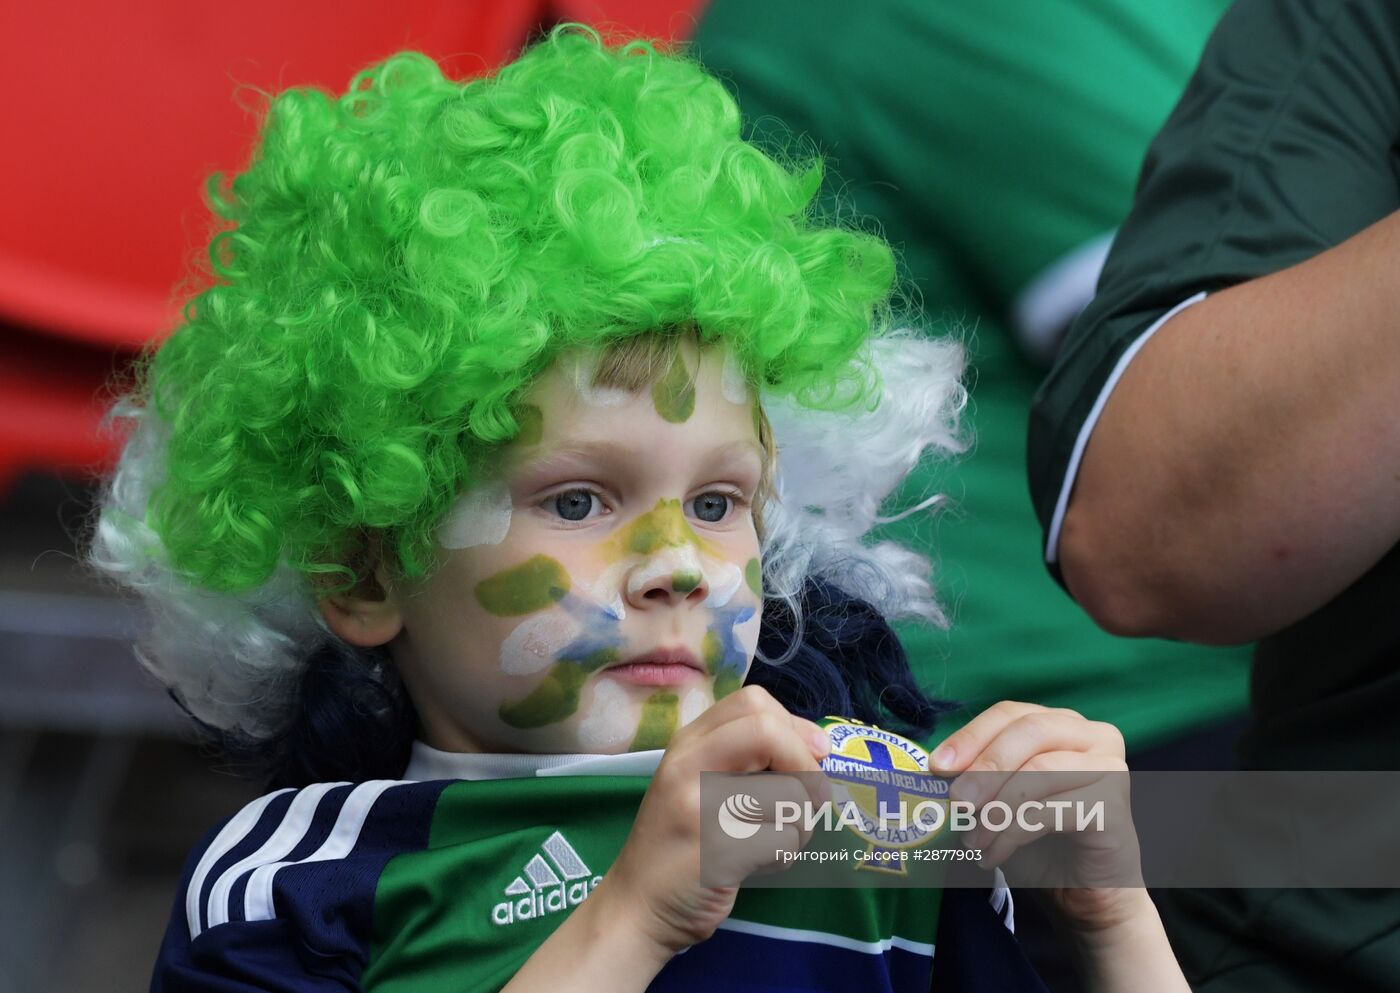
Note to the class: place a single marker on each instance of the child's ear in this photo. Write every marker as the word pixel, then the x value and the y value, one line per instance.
pixel 367 616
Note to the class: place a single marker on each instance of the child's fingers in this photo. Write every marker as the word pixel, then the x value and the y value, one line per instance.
pixel 758 741
pixel 750 703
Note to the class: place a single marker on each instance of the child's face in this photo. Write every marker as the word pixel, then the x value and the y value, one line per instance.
pixel 603 589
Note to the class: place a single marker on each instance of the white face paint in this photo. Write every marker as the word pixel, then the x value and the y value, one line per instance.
pixel 724 583
pixel 693 704
pixel 604 591
pixel 733 383
pixel 533 645
pixel 747 633
pixel 607 722
pixel 664 565
pixel 481 516
pixel 580 368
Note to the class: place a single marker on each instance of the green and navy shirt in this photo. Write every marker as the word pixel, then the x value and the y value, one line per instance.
pixel 450 879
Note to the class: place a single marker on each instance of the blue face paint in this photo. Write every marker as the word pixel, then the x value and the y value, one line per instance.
pixel 725 657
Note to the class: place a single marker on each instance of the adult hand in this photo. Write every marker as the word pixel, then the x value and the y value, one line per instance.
pixel 1091 877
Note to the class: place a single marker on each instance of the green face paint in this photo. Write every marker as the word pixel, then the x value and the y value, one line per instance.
pixel 674 393
pixel 531 421
pixel 753 576
pixel 660 715
pixel 597 658
pixel 664 526
pixel 554 699
pixel 684 582
pixel 726 684
pixel 533 585
pixel 711 651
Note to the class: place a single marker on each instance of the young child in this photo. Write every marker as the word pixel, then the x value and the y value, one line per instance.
pixel 529 430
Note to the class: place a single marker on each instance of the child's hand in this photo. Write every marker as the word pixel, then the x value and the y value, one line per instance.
pixel 1011 738
pixel 656 878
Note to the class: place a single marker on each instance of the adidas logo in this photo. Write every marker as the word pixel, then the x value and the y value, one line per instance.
pixel 546 885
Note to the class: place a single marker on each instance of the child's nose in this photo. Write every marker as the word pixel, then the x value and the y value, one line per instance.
pixel 669 578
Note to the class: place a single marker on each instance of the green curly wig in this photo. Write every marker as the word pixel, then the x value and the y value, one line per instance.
pixel 402 261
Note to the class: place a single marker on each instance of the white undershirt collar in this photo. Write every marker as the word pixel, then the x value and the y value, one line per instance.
pixel 427 763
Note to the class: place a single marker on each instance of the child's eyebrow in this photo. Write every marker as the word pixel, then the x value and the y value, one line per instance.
pixel 609 453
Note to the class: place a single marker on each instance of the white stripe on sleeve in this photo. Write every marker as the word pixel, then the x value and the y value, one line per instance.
pixel 234 831
pixel 257 897
pixel 288 835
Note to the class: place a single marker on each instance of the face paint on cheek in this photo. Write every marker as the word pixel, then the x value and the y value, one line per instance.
pixel 609 719
pixel 753 575
pixel 536 643
pixel 660 713
pixel 535 584
pixel 554 699
pixel 725 580
pixel 726 648
pixel 604 591
pixel 481 516
pixel 673 394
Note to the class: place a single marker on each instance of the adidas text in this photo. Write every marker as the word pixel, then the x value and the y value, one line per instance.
pixel 555 879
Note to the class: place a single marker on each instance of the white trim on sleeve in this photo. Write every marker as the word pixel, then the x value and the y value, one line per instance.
pixel 1052 541
pixel 1047 305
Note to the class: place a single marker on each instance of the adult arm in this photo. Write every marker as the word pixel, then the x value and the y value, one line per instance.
pixel 1246 468
pixel 1215 472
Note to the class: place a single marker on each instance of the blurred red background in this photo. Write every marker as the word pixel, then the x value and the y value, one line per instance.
pixel 117 113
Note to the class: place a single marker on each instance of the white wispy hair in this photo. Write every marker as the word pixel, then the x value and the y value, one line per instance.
pixel 234 660
pixel 836 469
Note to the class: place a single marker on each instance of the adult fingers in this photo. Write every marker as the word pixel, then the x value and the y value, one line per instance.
pixel 1024 738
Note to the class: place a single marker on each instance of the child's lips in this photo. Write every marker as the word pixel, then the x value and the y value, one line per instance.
pixel 661 667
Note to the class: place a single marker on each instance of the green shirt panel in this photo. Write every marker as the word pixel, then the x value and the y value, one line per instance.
pixel 457 916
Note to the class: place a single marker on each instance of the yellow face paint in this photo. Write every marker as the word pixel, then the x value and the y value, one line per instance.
pixel 660 715
pixel 664 526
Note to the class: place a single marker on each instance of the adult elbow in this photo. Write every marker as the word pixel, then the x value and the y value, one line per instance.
pixel 1113 596
pixel 1133 590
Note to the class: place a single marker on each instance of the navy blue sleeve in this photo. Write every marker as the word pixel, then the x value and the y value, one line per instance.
pixel 280 897
pixel 976 951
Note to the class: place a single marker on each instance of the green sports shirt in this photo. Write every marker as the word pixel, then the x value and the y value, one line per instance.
pixel 1283 145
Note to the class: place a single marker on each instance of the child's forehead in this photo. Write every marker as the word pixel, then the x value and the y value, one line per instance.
pixel 696 406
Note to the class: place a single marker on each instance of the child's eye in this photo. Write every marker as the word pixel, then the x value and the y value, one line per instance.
pixel 711 507
pixel 573 505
